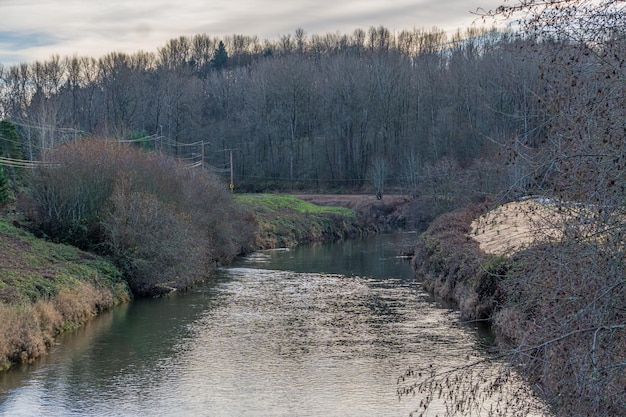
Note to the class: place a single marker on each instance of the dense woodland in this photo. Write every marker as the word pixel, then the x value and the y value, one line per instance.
pixel 418 109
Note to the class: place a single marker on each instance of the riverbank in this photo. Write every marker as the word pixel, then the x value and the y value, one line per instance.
pixel 290 220
pixel 287 221
pixel 556 305
pixel 453 267
pixel 48 288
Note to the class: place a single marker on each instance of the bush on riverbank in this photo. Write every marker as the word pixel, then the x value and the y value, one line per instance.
pixel 163 225
pixel 454 268
pixel 48 288
pixel 565 322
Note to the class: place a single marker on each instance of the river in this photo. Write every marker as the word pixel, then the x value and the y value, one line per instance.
pixel 321 330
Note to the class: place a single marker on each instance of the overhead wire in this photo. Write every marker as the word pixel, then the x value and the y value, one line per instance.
pixel 24 163
pixel 161 142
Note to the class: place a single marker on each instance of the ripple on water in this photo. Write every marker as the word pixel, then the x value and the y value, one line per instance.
pixel 257 342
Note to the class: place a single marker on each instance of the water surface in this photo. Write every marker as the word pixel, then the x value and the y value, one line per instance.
pixel 323 330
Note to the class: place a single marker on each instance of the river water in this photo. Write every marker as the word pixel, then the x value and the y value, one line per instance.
pixel 322 330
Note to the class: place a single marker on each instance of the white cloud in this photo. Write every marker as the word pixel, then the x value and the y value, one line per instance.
pixel 36 29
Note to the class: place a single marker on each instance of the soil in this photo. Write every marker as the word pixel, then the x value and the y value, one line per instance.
pixel 514 226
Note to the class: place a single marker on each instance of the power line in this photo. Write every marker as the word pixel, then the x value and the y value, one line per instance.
pixel 142 139
pixel 24 163
pixel 160 141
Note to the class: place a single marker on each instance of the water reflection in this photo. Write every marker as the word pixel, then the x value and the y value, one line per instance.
pixel 374 257
pixel 322 330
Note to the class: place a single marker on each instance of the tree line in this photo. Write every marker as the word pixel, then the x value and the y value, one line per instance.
pixel 421 108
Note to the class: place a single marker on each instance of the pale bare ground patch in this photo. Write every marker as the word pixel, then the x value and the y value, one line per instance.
pixel 517 225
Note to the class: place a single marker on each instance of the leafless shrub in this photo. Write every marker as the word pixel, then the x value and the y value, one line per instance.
pixel 152 243
pixel 163 224
pixel 480 387
pixel 565 321
pixel 558 307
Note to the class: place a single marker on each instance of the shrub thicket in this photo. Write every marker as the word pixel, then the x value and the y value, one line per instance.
pixel 565 320
pixel 164 225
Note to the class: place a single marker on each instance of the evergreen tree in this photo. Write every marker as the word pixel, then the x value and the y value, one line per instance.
pixel 9 148
pixel 220 57
pixel 4 187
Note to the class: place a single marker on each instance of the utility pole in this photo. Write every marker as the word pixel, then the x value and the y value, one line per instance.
pixel 232 183
pixel 202 161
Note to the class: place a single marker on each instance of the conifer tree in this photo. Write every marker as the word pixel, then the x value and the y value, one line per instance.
pixel 5 193
pixel 220 57
pixel 9 148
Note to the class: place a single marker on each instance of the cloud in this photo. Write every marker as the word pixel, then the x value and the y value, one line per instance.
pixel 36 29
pixel 14 46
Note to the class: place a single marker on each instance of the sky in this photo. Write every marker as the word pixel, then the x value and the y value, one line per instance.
pixel 33 30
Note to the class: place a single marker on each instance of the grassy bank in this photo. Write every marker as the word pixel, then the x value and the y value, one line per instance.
pixel 46 289
pixel 285 221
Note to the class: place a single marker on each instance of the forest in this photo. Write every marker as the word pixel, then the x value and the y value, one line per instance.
pixel 418 111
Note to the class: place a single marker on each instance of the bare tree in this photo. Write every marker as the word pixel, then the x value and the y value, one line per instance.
pixel 565 311
pixel 379 173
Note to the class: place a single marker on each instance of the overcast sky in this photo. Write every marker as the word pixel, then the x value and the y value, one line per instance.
pixel 36 29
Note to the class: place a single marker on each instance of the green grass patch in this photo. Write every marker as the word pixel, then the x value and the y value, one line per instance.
pixel 276 202
pixel 286 221
pixel 48 288
pixel 33 269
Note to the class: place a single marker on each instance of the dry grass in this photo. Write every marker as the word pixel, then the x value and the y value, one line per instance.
pixel 27 330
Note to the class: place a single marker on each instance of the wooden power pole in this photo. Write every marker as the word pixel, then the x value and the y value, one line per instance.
pixel 232 183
